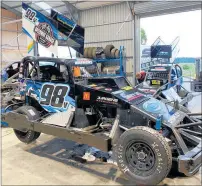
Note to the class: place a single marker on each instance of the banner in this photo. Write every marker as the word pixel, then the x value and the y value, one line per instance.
pixel 161 51
pixel 73 32
pixel 40 28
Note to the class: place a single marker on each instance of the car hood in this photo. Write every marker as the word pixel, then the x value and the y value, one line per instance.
pixel 146 104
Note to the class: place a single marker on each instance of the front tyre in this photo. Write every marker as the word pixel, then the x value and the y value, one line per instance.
pixel 24 135
pixel 144 156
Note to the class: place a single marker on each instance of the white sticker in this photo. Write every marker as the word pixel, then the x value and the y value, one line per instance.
pixel 118 92
pixel 31 112
pixel 83 61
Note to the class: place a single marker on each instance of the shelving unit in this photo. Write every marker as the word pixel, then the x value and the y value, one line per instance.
pixel 121 60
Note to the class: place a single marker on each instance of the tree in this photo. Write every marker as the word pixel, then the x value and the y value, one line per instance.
pixel 143 37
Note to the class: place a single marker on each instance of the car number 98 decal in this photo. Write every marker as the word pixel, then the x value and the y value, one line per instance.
pixel 54 95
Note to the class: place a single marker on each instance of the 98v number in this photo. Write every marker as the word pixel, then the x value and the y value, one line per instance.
pixel 53 95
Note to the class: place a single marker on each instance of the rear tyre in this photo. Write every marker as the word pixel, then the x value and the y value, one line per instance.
pixel 94 52
pixel 85 54
pixel 107 50
pixel 117 54
pixel 113 52
pixel 90 52
pixel 144 156
pixel 24 135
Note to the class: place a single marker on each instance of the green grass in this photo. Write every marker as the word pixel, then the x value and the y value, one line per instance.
pixel 188 69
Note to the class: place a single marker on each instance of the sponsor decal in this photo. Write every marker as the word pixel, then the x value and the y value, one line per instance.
pixel 31 15
pixel 39 28
pixel 83 61
pixel 147 90
pixel 130 97
pixel 127 88
pixel 98 88
pixel 158 69
pixel 118 92
pixel 135 97
pixel 107 100
pixel 86 96
pixel 92 85
pixel 65 20
pixel 44 34
pixel 108 89
pixel 30 46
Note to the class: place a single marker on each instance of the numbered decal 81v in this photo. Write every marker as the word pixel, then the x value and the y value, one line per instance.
pixel 53 95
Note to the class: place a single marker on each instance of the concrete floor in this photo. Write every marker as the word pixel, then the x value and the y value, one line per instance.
pixel 38 164
pixel 45 162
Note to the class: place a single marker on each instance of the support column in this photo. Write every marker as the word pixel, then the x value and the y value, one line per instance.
pixel 36 49
pixel 136 46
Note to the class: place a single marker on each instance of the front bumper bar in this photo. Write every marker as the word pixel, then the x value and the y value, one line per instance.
pixel 191 161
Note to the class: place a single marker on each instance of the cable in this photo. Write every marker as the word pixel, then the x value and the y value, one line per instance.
pixel 18 43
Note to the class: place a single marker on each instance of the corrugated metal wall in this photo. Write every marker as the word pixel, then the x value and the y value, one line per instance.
pixel 102 27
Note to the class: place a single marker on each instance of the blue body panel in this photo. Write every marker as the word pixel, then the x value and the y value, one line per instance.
pixel 33 89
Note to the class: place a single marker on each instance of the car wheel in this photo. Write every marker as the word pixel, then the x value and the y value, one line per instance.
pixel 113 52
pixel 117 54
pixel 90 52
pixel 144 156
pixel 107 50
pixel 94 52
pixel 24 135
pixel 85 54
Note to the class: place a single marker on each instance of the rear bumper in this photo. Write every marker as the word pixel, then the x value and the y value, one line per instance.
pixel 191 161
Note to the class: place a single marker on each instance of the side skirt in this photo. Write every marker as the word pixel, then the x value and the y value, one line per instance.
pixel 19 121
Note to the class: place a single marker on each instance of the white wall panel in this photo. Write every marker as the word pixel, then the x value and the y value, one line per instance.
pixel 103 15
pixel 109 32
pixel 102 25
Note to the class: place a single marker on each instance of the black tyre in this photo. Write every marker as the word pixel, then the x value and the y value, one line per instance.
pixel 107 50
pixel 90 52
pixel 144 156
pixel 113 52
pixel 117 54
pixel 85 54
pixel 94 52
pixel 24 135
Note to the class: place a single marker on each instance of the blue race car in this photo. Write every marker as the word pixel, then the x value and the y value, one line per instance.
pixel 164 81
pixel 61 98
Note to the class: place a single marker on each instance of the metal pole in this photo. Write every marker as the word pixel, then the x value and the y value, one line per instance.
pixel 136 47
pixel 35 48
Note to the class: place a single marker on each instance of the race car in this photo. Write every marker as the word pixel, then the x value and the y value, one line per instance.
pixel 63 98
pixel 9 86
pixel 164 82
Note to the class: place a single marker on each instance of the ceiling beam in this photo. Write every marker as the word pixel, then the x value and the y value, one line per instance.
pixel 11 9
pixel 17 6
pixel 72 11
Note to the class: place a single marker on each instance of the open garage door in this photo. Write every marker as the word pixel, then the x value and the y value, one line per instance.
pixel 148 9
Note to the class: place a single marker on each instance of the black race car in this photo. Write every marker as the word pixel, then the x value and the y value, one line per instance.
pixel 64 98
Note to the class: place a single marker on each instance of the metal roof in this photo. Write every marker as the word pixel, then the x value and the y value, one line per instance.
pixel 59 5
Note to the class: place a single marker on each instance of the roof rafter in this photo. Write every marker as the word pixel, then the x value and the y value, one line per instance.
pixel 11 9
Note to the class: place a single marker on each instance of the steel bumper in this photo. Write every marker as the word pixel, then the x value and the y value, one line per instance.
pixel 191 161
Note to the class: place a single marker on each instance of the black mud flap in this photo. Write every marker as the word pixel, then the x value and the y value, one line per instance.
pixel 191 161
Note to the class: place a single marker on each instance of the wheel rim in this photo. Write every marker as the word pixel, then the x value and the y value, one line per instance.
pixel 140 156
pixel 21 133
